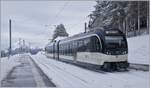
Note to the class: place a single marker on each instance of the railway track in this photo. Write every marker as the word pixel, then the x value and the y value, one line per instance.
pixel 142 67
pixel 132 66
pixel 97 69
pixel 88 67
pixel 65 73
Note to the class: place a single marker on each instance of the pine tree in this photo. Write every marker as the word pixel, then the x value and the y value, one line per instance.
pixel 108 14
pixel 125 15
pixel 59 31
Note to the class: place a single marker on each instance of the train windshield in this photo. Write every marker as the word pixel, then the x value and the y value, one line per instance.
pixel 115 44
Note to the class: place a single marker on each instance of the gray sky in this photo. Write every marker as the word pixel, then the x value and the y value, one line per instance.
pixel 30 17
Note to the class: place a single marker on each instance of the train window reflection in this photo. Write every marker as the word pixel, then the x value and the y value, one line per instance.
pixel 115 42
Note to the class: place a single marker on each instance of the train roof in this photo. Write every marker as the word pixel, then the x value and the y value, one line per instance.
pixel 99 32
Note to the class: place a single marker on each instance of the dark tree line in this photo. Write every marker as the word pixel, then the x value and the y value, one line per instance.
pixel 128 16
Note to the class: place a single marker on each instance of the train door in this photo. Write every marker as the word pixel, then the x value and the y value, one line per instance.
pixel 56 50
pixel 95 44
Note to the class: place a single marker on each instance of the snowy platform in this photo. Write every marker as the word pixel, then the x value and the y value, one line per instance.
pixel 7 64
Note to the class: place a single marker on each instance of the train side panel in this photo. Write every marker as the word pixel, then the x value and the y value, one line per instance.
pixel 99 58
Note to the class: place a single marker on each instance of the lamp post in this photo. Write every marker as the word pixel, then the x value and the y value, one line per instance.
pixel 10 37
pixel 0 43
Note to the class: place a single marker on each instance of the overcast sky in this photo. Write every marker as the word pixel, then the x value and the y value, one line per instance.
pixel 34 21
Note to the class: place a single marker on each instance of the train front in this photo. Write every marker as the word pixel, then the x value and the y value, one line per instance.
pixel 116 50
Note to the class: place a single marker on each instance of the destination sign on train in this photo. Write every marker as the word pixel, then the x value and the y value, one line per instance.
pixel 111 32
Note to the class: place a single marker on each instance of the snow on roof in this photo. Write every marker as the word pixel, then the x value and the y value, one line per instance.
pixel 60 38
pixel 15 45
pixel 18 44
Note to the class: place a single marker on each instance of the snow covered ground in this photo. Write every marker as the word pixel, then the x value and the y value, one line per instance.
pixel 6 65
pixel 139 49
pixel 69 76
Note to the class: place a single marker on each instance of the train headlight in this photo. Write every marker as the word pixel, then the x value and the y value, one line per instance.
pixel 107 52
pixel 124 52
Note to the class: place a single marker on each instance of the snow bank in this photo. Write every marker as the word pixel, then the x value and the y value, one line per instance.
pixel 139 49
pixel 69 76
pixel 6 65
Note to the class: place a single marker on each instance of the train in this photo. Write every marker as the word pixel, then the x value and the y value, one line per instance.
pixel 106 49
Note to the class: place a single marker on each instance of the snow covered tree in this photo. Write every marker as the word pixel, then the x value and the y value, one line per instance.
pixel 125 15
pixel 99 15
pixel 138 16
pixel 59 31
pixel 108 14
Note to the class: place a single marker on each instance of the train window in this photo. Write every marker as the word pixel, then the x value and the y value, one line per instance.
pixel 95 44
pixel 76 44
pixel 71 48
pixel 113 38
pixel 65 48
pixel 68 48
pixel 87 44
pixel 114 42
pixel 62 48
pixel 81 46
pixel 86 41
pixel 90 44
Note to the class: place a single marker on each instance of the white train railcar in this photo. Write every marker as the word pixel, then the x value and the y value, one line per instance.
pixel 105 48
